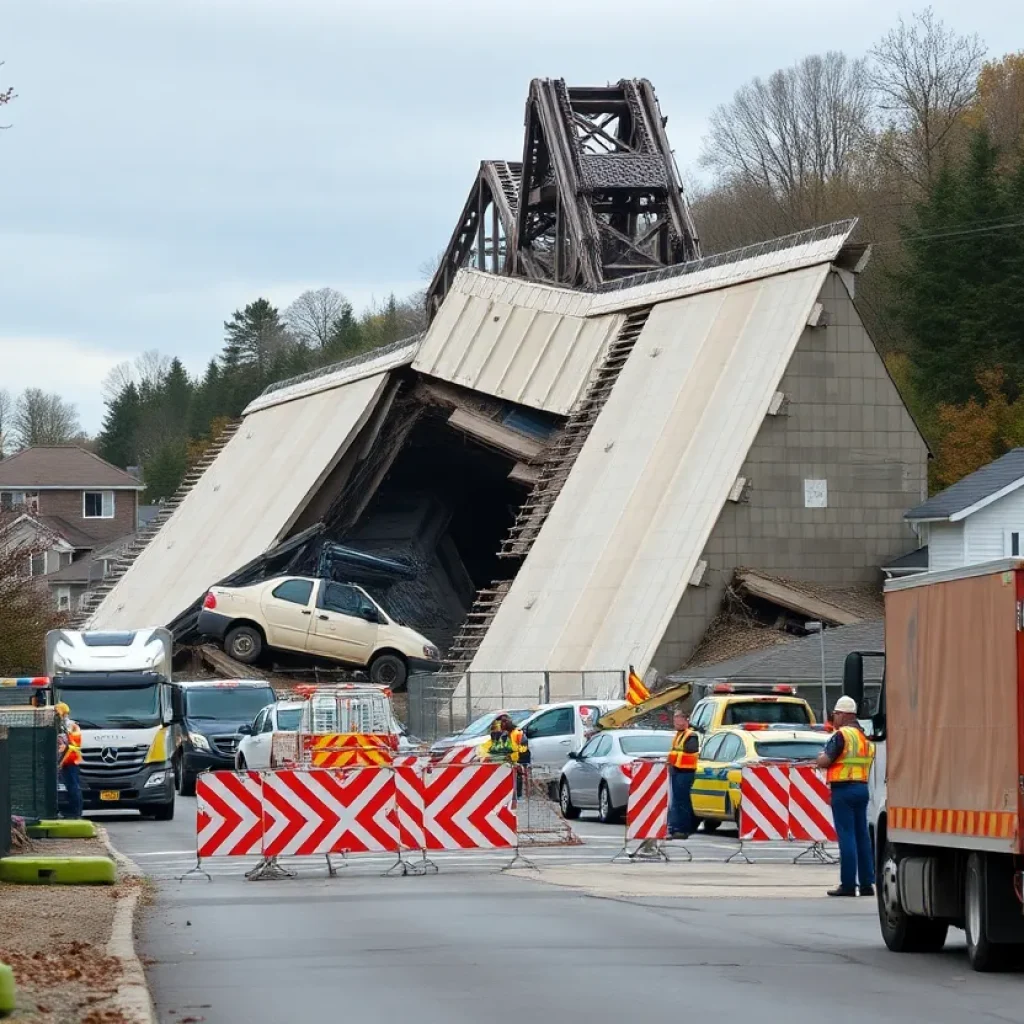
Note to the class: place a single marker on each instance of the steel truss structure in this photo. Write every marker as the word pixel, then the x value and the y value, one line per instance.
pixel 596 197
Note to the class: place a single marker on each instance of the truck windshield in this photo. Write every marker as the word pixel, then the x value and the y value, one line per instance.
pixel 114 708
pixel 228 703
pixel 766 712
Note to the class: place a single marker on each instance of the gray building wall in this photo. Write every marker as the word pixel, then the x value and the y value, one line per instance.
pixel 845 424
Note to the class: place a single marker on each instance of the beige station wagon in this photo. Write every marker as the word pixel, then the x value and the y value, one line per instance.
pixel 339 621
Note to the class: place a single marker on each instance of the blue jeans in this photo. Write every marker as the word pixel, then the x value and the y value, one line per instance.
pixel 850 814
pixel 73 785
pixel 680 810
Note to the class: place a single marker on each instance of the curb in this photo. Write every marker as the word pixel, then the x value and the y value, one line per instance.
pixel 133 997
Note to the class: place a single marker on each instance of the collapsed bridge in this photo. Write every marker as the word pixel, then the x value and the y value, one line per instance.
pixel 598 427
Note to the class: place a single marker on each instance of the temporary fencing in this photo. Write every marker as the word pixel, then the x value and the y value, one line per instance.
pixel 407 807
pixel 786 803
pixel 647 810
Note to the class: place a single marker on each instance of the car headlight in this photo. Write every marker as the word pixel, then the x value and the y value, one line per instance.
pixel 156 779
pixel 199 741
pixel 432 653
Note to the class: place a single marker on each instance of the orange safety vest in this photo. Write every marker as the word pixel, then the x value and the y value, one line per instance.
pixel 854 763
pixel 73 750
pixel 678 757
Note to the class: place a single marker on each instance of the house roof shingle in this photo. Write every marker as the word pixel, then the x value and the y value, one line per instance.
pixel 80 571
pixel 74 536
pixel 62 466
pixel 799 660
pixel 977 486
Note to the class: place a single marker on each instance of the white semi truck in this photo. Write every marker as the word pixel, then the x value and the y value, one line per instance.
pixel 117 685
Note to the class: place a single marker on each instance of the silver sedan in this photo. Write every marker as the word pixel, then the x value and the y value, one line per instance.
pixel 593 779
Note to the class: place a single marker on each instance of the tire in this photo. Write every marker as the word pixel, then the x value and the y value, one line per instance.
pixel 710 824
pixel 569 810
pixel 985 956
pixel 186 782
pixel 240 763
pixel 176 767
pixel 165 812
pixel 737 816
pixel 244 644
pixel 900 932
pixel 607 813
pixel 388 670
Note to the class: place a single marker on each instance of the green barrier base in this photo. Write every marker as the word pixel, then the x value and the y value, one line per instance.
pixel 7 990
pixel 58 870
pixel 72 829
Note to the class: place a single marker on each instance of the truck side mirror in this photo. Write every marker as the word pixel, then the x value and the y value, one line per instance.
pixel 853 679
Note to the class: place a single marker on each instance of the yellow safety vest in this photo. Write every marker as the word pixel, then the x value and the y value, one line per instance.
pixel 73 750
pixel 854 763
pixel 678 757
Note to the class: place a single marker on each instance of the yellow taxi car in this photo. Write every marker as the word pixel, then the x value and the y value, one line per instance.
pixel 723 753
pixel 739 703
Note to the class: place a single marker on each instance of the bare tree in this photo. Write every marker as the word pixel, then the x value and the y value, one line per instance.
pixel 6 95
pixel 6 414
pixel 117 380
pixel 150 369
pixel 925 77
pixel 796 138
pixel 43 419
pixel 314 316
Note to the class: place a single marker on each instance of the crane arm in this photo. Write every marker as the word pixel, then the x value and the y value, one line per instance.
pixel 621 717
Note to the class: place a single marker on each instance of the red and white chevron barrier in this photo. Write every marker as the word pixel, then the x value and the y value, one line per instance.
pixel 810 806
pixel 229 814
pixel 764 803
pixel 469 807
pixel 324 811
pixel 647 808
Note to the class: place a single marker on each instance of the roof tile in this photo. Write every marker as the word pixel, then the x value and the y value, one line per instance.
pixel 61 466
pixel 975 487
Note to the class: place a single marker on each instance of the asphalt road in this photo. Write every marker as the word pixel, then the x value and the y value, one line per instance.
pixel 470 942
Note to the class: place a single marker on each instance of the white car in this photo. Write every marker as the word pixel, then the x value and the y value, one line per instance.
pixel 256 739
pixel 553 730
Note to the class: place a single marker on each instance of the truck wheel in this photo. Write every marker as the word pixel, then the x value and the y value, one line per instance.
pixel 983 954
pixel 902 933
pixel 388 670
pixel 244 644
pixel 165 812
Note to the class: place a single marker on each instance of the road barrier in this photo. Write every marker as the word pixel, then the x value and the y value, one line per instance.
pixel 647 811
pixel 786 803
pixel 343 750
pixel 410 806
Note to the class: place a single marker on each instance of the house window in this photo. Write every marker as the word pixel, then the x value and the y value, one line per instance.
pixel 98 505
pixel 25 501
pixel 37 564
pixel 63 599
pixel 1012 544
pixel 66 558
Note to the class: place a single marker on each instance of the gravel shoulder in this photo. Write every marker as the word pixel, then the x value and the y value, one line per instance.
pixel 55 938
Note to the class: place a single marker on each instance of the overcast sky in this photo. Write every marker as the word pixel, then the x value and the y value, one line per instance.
pixel 170 160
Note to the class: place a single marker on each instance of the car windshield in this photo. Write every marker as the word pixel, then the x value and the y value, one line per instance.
pixel 482 725
pixel 635 745
pixel 235 703
pixel 789 750
pixel 288 719
pixel 766 712
pixel 113 709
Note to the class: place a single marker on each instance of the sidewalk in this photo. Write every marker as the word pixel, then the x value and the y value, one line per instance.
pixel 693 880
pixel 57 938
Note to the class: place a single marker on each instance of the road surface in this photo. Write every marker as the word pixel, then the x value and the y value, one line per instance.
pixel 454 948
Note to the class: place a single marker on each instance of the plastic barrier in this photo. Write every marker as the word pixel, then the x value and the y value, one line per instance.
pixel 647 810
pixel 229 815
pixel 343 750
pixel 469 807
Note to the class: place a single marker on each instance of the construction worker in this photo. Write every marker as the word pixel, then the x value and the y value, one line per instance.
pixel 520 744
pixel 498 745
pixel 847 758
pixel 682 761
pixel 69 753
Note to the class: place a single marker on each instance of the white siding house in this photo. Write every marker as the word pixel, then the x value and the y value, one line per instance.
pixel 978 519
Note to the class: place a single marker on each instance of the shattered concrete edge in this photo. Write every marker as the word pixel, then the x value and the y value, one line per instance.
pixel 133 996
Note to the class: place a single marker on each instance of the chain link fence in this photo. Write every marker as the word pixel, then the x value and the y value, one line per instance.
pixel 440 704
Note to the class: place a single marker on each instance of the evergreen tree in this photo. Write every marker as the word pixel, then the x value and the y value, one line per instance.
pixel 164 472
pixel 176 398
pixel 118 440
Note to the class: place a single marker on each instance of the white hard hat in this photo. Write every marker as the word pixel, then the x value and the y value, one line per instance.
pixel 845 705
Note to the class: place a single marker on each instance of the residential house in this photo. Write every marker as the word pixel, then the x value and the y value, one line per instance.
pixel 979 519
pixel 70 503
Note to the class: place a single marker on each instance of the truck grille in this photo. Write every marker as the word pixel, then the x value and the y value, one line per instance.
pixel 225 745
pixel 98 763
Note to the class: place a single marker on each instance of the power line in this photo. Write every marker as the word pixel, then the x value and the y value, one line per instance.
pixel 963 233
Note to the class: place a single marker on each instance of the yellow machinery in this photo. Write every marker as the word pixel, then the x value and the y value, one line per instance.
pixel 622 717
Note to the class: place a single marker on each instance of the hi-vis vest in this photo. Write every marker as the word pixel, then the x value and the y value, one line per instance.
pixel 854 763
pixel 677 756
pixel 499 749
pixel 73 751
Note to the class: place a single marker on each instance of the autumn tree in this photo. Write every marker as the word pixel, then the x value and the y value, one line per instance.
pixel 999 105
pixel 44 419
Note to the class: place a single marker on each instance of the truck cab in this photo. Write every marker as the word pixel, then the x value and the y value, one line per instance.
pixel 117 685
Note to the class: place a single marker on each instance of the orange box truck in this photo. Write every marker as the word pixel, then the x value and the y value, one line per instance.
pixel 948 780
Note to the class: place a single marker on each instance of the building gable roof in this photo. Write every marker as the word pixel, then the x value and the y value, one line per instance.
pixel 975 491
pixel 63 466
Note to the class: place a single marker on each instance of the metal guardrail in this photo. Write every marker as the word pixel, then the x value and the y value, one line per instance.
pixel 443 704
